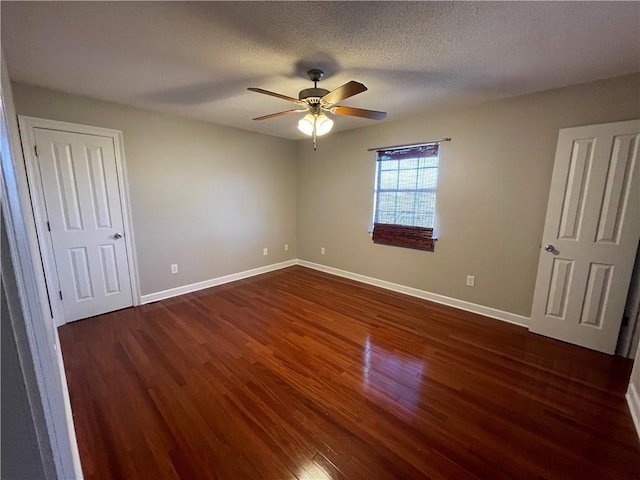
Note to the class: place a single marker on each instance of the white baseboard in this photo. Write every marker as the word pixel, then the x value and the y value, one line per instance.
pixel 633 399
pixel 414 292
pixel 194 287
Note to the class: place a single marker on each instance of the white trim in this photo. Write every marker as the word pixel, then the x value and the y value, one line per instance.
pixel 633 399
pixel 71 429
pixel 41 343
pixel 194 287
pixel 508 317
pixel 414 292
pixel 27 133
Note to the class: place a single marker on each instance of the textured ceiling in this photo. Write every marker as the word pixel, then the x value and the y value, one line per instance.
pixel 196 59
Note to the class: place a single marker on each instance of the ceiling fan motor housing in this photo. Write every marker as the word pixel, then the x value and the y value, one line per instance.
pixel 312 93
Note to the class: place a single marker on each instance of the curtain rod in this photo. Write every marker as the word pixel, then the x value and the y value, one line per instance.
pixel 432 142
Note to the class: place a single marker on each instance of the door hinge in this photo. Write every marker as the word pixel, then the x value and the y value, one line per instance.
pixel 48 226
pixel 35 149
pixel 60 292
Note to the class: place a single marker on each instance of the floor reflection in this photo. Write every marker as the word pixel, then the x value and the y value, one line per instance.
pixel 312 471
pixel 388 374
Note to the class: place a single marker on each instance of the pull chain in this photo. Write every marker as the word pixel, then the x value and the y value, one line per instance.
pixel 315 146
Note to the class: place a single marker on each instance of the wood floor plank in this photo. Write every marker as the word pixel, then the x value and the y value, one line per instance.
pixel 297 374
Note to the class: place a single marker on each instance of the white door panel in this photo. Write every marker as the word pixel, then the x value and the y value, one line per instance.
pixel 593 225
pixel 82 198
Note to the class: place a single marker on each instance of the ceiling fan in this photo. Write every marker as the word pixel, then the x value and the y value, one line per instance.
pixel 315 101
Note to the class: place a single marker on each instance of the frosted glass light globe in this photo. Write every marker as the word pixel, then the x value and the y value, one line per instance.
pixel 306 123
pixel 323 124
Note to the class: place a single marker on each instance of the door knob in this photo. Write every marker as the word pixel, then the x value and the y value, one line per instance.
pixel 117 235
pixel 549 248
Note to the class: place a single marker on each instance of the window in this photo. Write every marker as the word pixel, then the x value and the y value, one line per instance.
pixel 405 196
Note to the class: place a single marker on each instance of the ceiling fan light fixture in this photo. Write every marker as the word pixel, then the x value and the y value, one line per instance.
pixel 306 124
pixel 323 124
pixel 320 122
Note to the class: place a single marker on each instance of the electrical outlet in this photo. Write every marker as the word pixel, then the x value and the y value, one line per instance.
pixel 322 251
pixel 286 247
pixel 471 281
pixel 265 251
pixel 174 268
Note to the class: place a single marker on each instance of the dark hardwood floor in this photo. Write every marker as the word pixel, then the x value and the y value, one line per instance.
pixel 301 375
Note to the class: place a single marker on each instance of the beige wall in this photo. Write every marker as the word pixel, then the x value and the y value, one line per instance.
pixel 206 197
pixel 493 187
pixel 21 455
pixel 209 198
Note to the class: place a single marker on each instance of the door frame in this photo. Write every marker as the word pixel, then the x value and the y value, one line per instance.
pixel 28 126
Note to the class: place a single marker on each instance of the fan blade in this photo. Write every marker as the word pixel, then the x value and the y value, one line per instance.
pixel 274 115
pixel 358 112
pixel 283 97
pixel 347 90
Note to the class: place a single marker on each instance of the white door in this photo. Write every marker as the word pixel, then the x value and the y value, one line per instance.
pixel 590 236
pixel 84 211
